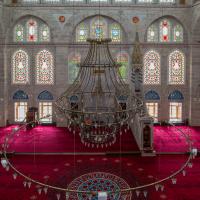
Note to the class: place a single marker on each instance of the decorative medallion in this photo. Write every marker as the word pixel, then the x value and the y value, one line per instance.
pixel 99 181
pixel 62 19
pixel 136 20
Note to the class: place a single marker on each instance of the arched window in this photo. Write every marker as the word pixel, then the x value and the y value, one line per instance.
pixel 152 96
pixel 165 30
pixel 73 68
pixel 44 67
pixel 115 32
pixel 178 33
pixel 165 27
pixel 122 59
pixel 176 67
pixel 44 33
pixel 81 33
pixel 20 67
pixel 99 28
pixel 151 68
pixel 19 33
pixel 20 95
pixel 45 96
pixel 32 30
pixel 152 34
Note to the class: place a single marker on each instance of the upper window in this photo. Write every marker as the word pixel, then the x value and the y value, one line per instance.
pixel 176 67
pixel 151 68
pixel 20 67
pixel 44 67
pixel 115 33
pixel 73 68
pixel 82 33
pixel 98 28
pixel 31 30
pixel 165 30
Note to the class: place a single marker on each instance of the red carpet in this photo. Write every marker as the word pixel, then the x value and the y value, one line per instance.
pixel 135 170
pixel 168 139
pixel 53 139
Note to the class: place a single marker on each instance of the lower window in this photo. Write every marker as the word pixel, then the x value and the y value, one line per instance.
pixel 45 108
pixel 152 109
pixel 175 112
pixel 20 111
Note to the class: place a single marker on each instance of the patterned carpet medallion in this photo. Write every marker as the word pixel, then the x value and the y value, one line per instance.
pixel 98 181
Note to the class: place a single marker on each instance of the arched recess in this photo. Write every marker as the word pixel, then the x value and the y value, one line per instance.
pixel 20 27
pixel 176 96
pixel 20 95
pixel 174 29
pixel 152 96
pixel 111 26
pixel 45 96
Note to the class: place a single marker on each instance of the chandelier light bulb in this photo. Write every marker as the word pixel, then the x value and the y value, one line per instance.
pixel 15 176
pixel 162 187
pixel 184 173
pixel 4 162
pixel 137 193
pixel 7 168
pixel 145 193
pixel 157 187
pixel 58 196
pixel 39 191
pixel 45 190
pixel 174 181
pixel 29 184
pixel 24 183
pixel 190 165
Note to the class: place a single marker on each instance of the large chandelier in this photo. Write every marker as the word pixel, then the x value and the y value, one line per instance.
pixel 99 103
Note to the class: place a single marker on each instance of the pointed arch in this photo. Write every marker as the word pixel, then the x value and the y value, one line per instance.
pixel 176 96
pixel 151 74
pixel 152 95
pixel 20 95
pixel 176 67
pixel 32 30
pixel 20 67
pixel 45 95
pixel 99 28
pixel 44 67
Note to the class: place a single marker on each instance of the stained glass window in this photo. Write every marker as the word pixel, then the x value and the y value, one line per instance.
pixel 115 33
pixel 167 1
pixel 165 27
pixel 178 33
pixel 32 31
pixel 81 33
pixel 176 67
pixel 73 68
pixel 151 68
pixel 44 33
pixel 99 28
pixel 19 33
pixel 152 109
pixel 20 67
pixel 152 34
pixel 44 67
pixel 145 1
pixel 122 58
